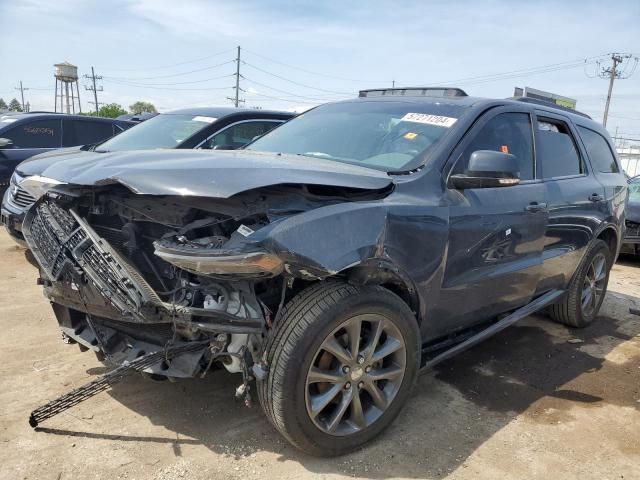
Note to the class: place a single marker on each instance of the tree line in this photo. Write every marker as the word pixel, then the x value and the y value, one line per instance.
pixel 110 110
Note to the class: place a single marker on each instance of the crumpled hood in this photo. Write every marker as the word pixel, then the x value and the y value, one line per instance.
pixel 38 163
pixel 206 173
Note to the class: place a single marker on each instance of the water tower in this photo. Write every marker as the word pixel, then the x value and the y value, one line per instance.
pixel 66 77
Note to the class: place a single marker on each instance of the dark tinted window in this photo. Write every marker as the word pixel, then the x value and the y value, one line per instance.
pixel 239 135
pixel 83 132
pixel 599 152
pixel 35 134
pixel 508 133
pixel 557 154
pixel 167 130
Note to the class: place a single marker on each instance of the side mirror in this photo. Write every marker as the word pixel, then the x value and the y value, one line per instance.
pixel 6 142
pixel 488 168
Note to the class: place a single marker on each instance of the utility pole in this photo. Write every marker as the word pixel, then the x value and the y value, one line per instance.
pixel 22 89
pixel 236 99
pixel 93 77
pixel 614 72
pixel 237 76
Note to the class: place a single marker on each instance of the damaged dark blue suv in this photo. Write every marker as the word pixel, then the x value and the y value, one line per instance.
pixel 336 256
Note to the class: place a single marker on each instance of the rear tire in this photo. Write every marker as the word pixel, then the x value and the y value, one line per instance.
pixel 310 358
pixel 586 292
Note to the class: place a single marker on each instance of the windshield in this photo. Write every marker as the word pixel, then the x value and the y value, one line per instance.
pixel 162 131
pixel 387 136
pixel 634 189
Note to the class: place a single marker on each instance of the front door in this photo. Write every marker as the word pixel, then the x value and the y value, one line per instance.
pixel 496 235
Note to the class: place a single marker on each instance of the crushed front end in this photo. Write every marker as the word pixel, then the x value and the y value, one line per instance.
pixel 128 276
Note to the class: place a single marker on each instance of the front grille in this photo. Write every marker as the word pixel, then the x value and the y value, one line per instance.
pixel 633 229
pixel 58 237
pixel 21 197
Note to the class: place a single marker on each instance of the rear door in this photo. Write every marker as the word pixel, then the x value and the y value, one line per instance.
pixel 85 132
pixel 574 195
pixel 607 169
pixel 496 234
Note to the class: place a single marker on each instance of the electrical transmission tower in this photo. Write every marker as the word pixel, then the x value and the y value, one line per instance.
pixel 95 89
pixel 236 100
pixel 623 65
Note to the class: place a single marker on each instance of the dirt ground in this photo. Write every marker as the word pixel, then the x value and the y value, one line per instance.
pixel 536 401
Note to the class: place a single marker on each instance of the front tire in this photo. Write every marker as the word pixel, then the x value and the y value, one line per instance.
pixel 587 289
pixel 342 362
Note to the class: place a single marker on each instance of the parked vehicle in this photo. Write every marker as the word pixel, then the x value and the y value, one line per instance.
pixel 203 128
pixel 337 255
pixel 23 135
pixel 631 243
pixel 137 117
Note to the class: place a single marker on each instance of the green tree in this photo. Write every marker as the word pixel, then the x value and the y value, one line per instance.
pixel 141 107
pixel 14 105
pixel 3 106
pixel 111 110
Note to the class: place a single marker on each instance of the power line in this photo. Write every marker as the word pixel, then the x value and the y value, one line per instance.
pixel 315 73
pixel 308 97
pixel 173 74
pixel 152 87
pixel 177 83
pixel 168 66
pixel 293 82
pixel 517 73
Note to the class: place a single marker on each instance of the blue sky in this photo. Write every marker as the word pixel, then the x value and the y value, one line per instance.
pixel 144 48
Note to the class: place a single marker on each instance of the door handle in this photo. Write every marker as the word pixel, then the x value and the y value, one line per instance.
pixel 596 197
pixel 534 207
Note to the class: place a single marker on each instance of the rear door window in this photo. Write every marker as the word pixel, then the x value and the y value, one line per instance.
pixel 507 133
pixel 599 151
pixel 84 132
pixel 239 135
pixel 557 153
pixel 36 134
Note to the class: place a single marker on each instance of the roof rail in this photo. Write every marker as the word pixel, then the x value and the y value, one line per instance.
pixel 414 91
pixel 550 104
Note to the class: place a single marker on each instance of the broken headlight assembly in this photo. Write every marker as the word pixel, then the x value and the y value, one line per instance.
pixel 207 260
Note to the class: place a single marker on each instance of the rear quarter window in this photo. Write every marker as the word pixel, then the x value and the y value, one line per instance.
pixel 599 151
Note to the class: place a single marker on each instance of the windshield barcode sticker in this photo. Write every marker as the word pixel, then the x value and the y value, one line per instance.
pixel 436 120
pixel 201 118
pixel 244 230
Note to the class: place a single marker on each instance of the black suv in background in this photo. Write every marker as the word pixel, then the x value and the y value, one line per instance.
pixel 336 255
pixel 213 128
pixel 23 135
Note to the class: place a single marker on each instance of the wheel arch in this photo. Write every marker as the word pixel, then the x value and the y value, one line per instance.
pixel 609 234
pixel 385 274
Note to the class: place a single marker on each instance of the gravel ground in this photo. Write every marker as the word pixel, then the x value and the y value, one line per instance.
pixel 536 401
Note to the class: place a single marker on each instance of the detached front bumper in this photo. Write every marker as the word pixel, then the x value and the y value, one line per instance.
pixel 118 342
